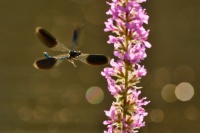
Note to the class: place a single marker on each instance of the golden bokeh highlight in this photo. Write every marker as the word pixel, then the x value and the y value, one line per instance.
pixel 65 115
pixel 43 108
pixel 41 113
pixel 54 101
pixel 191 112
pixel 168 93
pixel 184 73
pixel 25 113
pixel 162 77
pixel 94 95
pixel 157 115
pixel 184 91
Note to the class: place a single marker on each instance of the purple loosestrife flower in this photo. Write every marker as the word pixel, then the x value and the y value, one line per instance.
pixel 126 113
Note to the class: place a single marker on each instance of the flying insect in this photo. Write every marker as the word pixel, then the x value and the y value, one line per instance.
pixel 51 42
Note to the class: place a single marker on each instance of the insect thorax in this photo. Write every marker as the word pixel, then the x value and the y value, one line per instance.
pixel 73 54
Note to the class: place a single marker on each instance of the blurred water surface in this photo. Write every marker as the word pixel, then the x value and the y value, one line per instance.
pixel 61 100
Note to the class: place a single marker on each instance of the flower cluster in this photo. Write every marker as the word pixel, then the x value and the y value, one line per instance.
pixel 130 42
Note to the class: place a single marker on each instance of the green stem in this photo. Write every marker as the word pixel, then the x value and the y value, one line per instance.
pixel 126 71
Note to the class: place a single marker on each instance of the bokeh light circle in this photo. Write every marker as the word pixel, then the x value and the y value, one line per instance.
pixel 191 113
pixel 168 93
pixel 156 115
pixel 184 91
pixel 184 73
pixel 162 76
pixel 25 113
pixel 94 95
pixel 65 115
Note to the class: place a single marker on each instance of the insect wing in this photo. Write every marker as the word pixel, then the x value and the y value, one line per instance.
pixel 77 29
pixel 46 63
pixel 75 38
pixel 49 40
pixel 94 59
pixel 61 56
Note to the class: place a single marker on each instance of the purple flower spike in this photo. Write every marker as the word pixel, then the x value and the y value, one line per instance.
pixel 126 114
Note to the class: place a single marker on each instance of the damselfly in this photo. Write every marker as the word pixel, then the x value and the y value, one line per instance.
pixel 52 61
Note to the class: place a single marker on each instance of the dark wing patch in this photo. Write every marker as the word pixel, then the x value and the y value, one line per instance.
pixel 97 59
pixel 45 63
pixel 49 40
pixel 46 38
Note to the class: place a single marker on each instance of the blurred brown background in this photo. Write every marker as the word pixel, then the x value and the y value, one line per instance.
pixel 73 100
